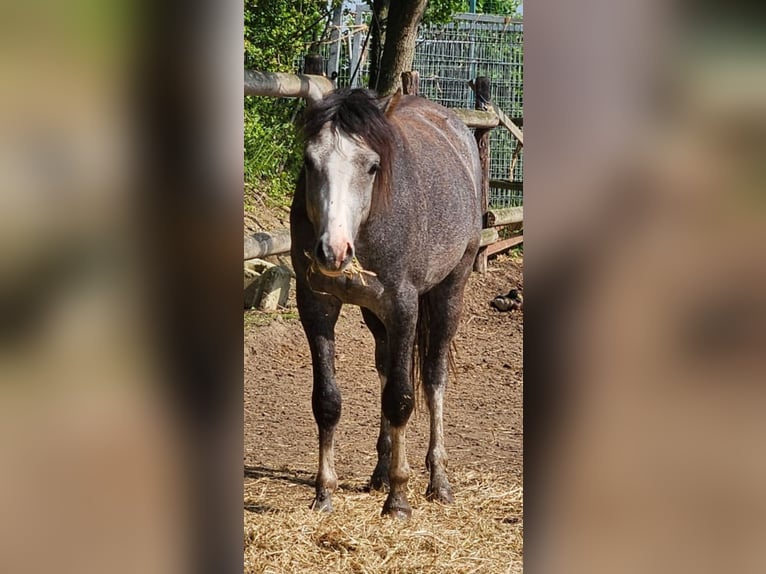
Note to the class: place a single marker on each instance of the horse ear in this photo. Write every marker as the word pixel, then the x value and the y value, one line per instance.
pixel 392 102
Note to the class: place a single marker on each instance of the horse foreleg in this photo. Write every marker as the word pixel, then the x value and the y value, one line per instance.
pixel 379 478
pixel 326 479
pixel 326 406
pixel 396 504
pixel 319 314
pixel 398 400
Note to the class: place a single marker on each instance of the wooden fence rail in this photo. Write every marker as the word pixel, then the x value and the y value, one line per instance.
pixel 313 88
pixel 277 85
pixel 264 244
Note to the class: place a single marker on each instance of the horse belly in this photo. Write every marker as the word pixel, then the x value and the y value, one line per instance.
pixel 442 262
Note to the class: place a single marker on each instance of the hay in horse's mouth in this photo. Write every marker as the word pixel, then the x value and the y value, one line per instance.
pixel 354 269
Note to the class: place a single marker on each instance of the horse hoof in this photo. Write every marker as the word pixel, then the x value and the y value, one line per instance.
pixel 441 494
pixel 398 509
pixel 398 514
pixel 321 505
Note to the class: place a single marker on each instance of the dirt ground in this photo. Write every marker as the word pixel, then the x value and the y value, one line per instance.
pixel 483 411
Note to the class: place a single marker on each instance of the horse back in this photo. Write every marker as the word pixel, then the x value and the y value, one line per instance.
pixel 437 150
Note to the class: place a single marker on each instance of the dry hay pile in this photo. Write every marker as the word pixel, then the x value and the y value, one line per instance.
pixel 480 532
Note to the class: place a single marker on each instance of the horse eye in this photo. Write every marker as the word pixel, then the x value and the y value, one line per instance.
pixel 373 168
pixel 307 162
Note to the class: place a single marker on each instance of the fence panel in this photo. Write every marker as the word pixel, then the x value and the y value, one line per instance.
pixel 447 56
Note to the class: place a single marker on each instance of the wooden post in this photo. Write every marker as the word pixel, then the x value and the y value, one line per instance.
pixel 313 64
pixel 481 88
pixel 411 82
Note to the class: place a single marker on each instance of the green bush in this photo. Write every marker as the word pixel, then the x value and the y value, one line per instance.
pixel 277 34
pixel 272 150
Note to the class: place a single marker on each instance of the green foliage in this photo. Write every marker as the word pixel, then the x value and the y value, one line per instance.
pixel 441 11
pixel 500 7
pixel 277 31
pixel 272 151
pixel 277 34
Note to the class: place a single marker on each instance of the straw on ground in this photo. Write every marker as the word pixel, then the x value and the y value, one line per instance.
pixel 480 532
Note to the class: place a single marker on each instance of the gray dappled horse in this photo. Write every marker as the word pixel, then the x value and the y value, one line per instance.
pixel 385 216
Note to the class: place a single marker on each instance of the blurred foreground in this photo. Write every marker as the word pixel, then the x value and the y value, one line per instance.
pixel 645 295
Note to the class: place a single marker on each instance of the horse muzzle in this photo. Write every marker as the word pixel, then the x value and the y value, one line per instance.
pixel 332 260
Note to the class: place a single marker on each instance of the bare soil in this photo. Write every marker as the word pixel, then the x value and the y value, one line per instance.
pixel 483 412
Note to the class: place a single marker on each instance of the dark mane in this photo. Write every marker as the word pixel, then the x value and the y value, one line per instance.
pixel 358 113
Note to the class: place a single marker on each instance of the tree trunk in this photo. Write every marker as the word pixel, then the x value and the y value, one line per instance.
pixel 399 49
pixel 377 39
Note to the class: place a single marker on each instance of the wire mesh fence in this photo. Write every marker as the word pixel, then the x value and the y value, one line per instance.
pixel 447 56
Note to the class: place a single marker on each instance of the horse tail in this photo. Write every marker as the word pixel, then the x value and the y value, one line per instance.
pixel 420 348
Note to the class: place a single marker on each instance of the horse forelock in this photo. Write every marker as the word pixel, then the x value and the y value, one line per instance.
pixel 357 114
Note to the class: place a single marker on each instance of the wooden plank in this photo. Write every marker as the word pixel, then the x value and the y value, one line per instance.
pixel 507 122
pixel 499 246
pixel 477 118
pixel 488 236
pixel 507 184
pixel 505 215
pixel 489 18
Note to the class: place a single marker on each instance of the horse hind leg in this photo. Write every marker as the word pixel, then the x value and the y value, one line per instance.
pixel 443 306
pixel 319 314
pixel 379 478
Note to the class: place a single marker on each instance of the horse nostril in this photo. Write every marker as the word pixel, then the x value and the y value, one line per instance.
pixel 349 255
pixel 320 253
pixel 327 257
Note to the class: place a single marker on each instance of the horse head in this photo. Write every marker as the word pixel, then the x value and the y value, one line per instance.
pixel 347 163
